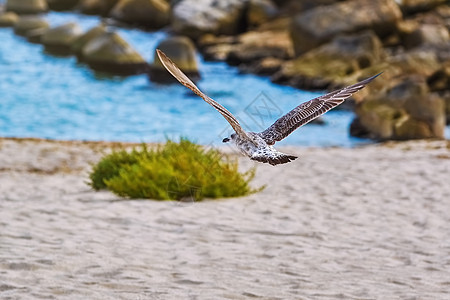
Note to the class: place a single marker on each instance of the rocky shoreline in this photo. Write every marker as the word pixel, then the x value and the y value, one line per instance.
pixel 310 45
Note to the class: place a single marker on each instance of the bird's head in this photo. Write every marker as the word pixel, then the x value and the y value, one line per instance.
pixel 227 139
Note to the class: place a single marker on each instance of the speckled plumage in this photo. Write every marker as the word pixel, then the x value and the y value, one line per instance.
pixel 258 146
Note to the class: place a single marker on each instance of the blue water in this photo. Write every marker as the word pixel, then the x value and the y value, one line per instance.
pixel 52 97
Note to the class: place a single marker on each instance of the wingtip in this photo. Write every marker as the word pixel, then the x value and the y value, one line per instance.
pixel 374 76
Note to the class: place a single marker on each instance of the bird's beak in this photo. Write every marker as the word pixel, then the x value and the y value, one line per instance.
pixel 225 140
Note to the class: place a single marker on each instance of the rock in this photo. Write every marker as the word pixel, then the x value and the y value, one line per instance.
pixel 194 18
pixel 446 97
pixel 426 34
pixel 440 80
pixel 414 6
pixel 321 24
pixel 260 11
pixel 254 46
pixel 405 109
pixel 110 53
pixel 34 36
pixel 182 52
pixel 149 13
pixel 266 66
pixel 250 49
pixel 330 63
pixel 216 47
pixel 61 5
pixel 23 7
pixel 81 41
pixel 59 40
pixel 8 19
pixel 28 23
pixel 97 7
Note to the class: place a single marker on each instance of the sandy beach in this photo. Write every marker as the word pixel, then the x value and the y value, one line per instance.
pixel 371 222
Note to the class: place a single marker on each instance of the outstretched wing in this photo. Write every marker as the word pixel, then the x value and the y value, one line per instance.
pixel 308 111
pixel 184 80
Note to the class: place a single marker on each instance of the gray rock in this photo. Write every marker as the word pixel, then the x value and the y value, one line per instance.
pixel 194 18
pixel 321 24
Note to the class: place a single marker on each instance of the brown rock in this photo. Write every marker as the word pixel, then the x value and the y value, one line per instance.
pixel 28 23
pixel 150 13
pixel 97 7
pixel 8 19
pixel 58 40
pixel 427 34
pixel 110 53
pixel 60 5
pixel 440 80
pixel 24 7
pixel 403 110
pixel 330 63
pixel 319 25
pixel 182 52
pixel 260 11
pixel 78 45
pixel 413 6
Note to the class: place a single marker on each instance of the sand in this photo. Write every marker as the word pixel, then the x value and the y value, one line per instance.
pixel 364 223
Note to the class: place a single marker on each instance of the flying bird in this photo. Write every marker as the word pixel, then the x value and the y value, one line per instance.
pixel 259 145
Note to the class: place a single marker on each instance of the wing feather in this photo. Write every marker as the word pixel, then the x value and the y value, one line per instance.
pixel 308 111
pixel 184 80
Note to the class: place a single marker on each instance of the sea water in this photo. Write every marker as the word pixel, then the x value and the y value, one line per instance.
pixel 46 96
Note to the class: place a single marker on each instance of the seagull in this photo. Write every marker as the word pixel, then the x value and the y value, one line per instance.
pixel 258 146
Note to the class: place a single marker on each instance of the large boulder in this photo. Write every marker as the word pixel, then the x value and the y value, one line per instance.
pixel 330 64
pixel 97 7
pixel 29 23
pixel 24 7
pixel 58 40
pixel 321 24
pixel 149 13
pixel 110 53
pixel 8 19
pixel 62 4
pixel 93 33
pixel 182 52
pixel 404 109
pixel 196 17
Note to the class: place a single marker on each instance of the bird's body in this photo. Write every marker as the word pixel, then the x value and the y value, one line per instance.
pixel 259 146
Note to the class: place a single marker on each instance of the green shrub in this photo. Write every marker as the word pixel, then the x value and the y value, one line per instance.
pixel 172 171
